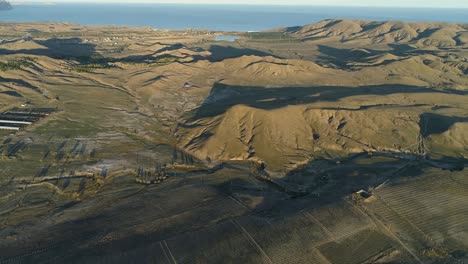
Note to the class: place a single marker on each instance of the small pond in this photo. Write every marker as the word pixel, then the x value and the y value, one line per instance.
pixel 227 38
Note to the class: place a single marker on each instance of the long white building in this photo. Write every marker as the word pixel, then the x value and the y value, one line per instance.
pixel 16 122
pixel 5 127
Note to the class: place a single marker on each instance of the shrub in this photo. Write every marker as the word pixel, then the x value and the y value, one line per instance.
pixel 17 64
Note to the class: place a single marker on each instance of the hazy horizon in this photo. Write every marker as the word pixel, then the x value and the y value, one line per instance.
pixel 331 3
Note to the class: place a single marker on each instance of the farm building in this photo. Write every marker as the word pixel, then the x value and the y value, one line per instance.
pixel 17 118
pixel 6 126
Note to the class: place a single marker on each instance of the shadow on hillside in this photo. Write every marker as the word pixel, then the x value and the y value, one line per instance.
pixel 154 55
pixel 58 49
pixel 20 82
pixel 431 123
pixel 86 53
pixel 220 53
pixel 342 57
pixel 408 50
pixel 11 93
pixel 222 97
pixel 318 184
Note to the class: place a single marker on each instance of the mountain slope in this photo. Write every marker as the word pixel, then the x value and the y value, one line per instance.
pixel 422 34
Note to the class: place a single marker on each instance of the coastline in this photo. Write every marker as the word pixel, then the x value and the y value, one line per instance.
pixel 231 18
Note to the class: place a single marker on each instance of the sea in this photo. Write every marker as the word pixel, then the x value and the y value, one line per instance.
pixel 235 18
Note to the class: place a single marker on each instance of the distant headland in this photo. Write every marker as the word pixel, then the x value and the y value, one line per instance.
pixel 5 5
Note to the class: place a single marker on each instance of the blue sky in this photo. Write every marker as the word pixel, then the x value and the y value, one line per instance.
pixel 379 3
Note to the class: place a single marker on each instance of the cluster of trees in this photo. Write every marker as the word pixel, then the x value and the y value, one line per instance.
pixel 79 149
pixel 16 64
pixel 182 158
pixel 151 176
